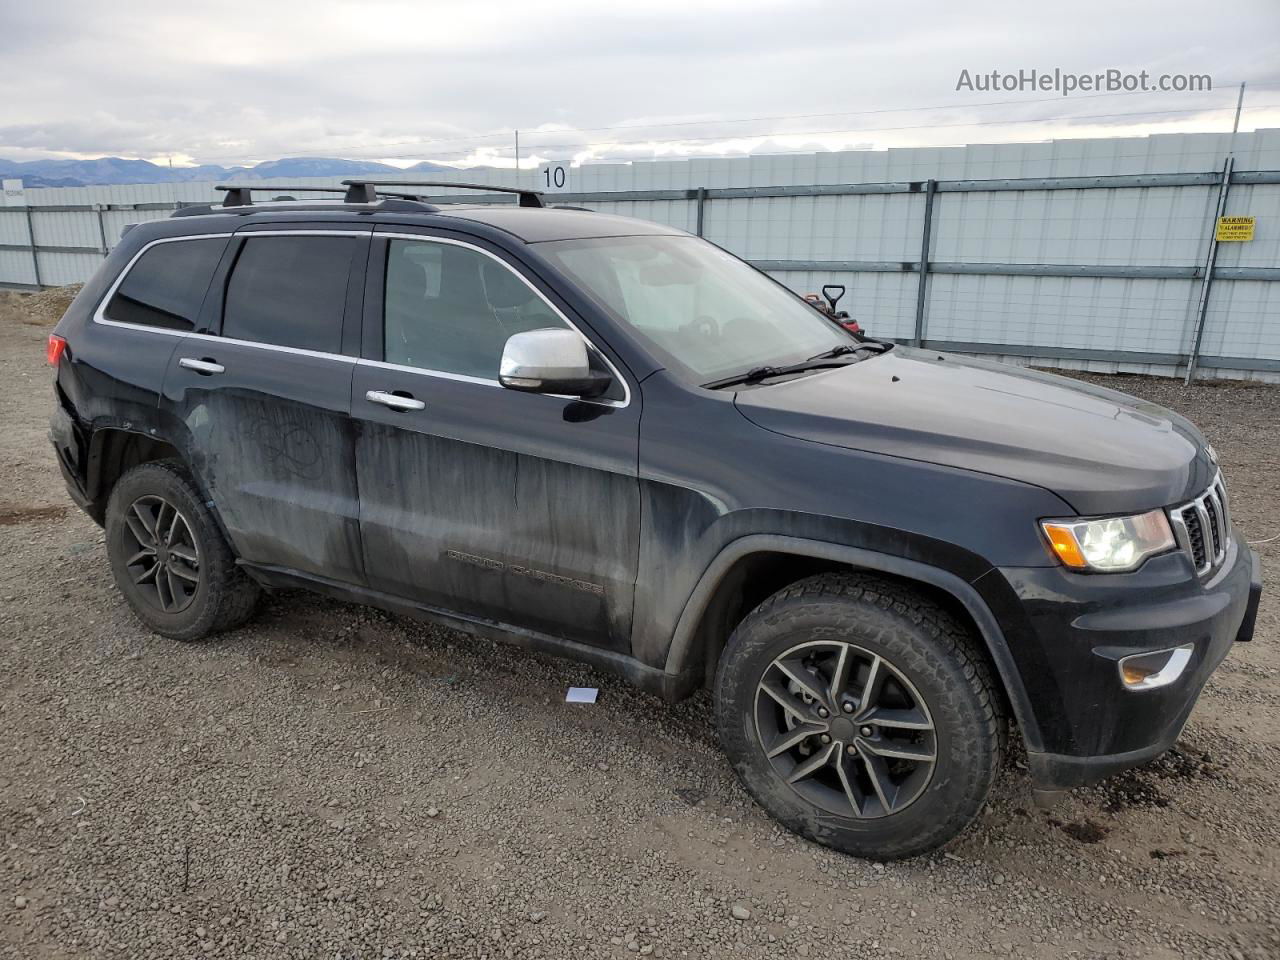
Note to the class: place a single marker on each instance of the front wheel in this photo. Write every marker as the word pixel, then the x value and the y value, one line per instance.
pixel 859 714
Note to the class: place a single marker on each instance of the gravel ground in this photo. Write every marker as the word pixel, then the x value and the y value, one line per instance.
pixel 331 781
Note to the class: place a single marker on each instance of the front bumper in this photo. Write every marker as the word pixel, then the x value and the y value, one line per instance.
pixel 1073 629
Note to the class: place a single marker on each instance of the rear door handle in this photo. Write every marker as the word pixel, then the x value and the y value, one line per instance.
pixel 201 366
pixel 394 400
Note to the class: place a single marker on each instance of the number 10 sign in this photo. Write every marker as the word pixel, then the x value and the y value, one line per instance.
pixel 553 177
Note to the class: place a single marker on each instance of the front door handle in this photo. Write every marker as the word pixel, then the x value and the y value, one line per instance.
pixel 394 400
pixel 201 366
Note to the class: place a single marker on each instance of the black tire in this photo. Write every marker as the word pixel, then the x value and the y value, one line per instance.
pixel 219 598
pixel 923 653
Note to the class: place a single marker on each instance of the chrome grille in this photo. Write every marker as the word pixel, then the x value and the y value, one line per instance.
pixel 1203 528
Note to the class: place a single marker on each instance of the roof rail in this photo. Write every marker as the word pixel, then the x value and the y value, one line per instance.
pixel 528 198
pixel 241 196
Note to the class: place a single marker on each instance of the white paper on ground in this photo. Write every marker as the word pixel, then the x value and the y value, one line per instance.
pixel 581 695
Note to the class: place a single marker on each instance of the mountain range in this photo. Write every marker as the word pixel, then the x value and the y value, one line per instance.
pixel 107 170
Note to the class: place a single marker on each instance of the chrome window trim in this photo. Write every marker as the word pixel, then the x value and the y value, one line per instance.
pixel 277 347
pixel 99 315
pixel 445 375
pixel 441 374
pixel 250 234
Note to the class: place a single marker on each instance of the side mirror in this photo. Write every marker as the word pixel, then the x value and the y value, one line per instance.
pixel 550 361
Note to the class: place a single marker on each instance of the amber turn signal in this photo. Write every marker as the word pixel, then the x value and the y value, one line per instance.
pixel 1134 674
pixel 1159 668
pixel 1065 546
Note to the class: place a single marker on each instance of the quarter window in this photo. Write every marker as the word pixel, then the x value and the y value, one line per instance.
pixel 451 309
pixel 166 287
pixel 290 291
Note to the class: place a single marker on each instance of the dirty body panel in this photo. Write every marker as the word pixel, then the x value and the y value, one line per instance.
pixel 270 437
pixel 509 507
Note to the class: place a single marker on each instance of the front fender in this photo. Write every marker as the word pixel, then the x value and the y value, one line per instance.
pixel 682 652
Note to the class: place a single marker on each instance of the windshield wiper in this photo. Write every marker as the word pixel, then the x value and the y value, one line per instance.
pixel 875 346
pixel 828 358
pixel 839 351
pixel 757 374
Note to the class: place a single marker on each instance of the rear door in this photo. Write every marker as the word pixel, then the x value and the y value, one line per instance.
pixel 504 506
pixel 262 393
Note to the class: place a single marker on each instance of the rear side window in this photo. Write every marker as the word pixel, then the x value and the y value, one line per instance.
pixel 290 291
pixel 166 287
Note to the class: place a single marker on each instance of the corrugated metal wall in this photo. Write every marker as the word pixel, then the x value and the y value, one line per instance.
pixel 1085 318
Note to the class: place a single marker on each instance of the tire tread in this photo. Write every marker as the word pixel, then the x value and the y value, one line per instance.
pixel 232 594
pixel 857 591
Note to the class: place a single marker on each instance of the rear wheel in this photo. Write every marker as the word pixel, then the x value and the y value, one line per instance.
pixel 169 558
pixel 860 715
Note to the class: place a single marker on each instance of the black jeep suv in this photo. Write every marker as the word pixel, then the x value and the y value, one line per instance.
pixel 608 439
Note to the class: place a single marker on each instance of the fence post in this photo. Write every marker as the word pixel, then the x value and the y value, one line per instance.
pixel 102 231
pixel 1202 306
pixel 35 254
pixel 701 200
pixel 930 194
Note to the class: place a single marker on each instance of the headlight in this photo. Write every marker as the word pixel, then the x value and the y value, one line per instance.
pixel 1109 546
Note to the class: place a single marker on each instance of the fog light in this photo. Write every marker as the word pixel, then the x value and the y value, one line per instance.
pixel 1145 671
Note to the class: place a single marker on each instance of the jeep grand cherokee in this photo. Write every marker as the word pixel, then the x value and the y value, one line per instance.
pixel 605 438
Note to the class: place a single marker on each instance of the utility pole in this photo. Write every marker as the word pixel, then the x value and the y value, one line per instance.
pixel 1202 307
pixel 1235 124
pixel 518 145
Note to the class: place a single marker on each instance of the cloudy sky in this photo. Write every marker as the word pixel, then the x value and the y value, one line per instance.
pixel 407 80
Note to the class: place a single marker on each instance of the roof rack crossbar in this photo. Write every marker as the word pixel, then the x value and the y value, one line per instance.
pixel 528 198
pixel 403 195
pixel 241 195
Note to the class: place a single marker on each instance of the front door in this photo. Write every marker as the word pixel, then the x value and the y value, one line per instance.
pixel 263 396
pixel 503 506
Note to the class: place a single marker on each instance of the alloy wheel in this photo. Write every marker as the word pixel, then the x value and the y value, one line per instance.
pixel 845 729
pixel 164 561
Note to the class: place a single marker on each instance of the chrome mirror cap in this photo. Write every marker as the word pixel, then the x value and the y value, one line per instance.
pixel 553 361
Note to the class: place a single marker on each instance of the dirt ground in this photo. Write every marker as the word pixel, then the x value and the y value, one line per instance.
pixel 331 781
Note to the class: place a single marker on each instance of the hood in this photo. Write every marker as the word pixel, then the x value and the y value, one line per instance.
pixel 1102 451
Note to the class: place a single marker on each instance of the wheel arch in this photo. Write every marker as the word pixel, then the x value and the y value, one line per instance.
pixel 701 630
pixel 113 450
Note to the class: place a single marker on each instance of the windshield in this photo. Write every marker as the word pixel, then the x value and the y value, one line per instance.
pixel 702 310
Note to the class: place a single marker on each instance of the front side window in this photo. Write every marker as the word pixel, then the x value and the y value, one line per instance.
pixel 290 291
pixel 451 309
pixel 166 287
pixel 704 312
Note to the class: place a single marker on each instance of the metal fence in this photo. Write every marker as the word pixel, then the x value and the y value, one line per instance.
pixel 1113 271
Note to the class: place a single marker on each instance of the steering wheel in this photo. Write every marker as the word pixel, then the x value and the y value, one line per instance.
pixel 704 327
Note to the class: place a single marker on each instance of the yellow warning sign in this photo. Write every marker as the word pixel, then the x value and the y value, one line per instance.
pixel 1235 229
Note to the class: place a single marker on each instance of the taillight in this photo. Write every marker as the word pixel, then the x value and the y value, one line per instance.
pixel 53 352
